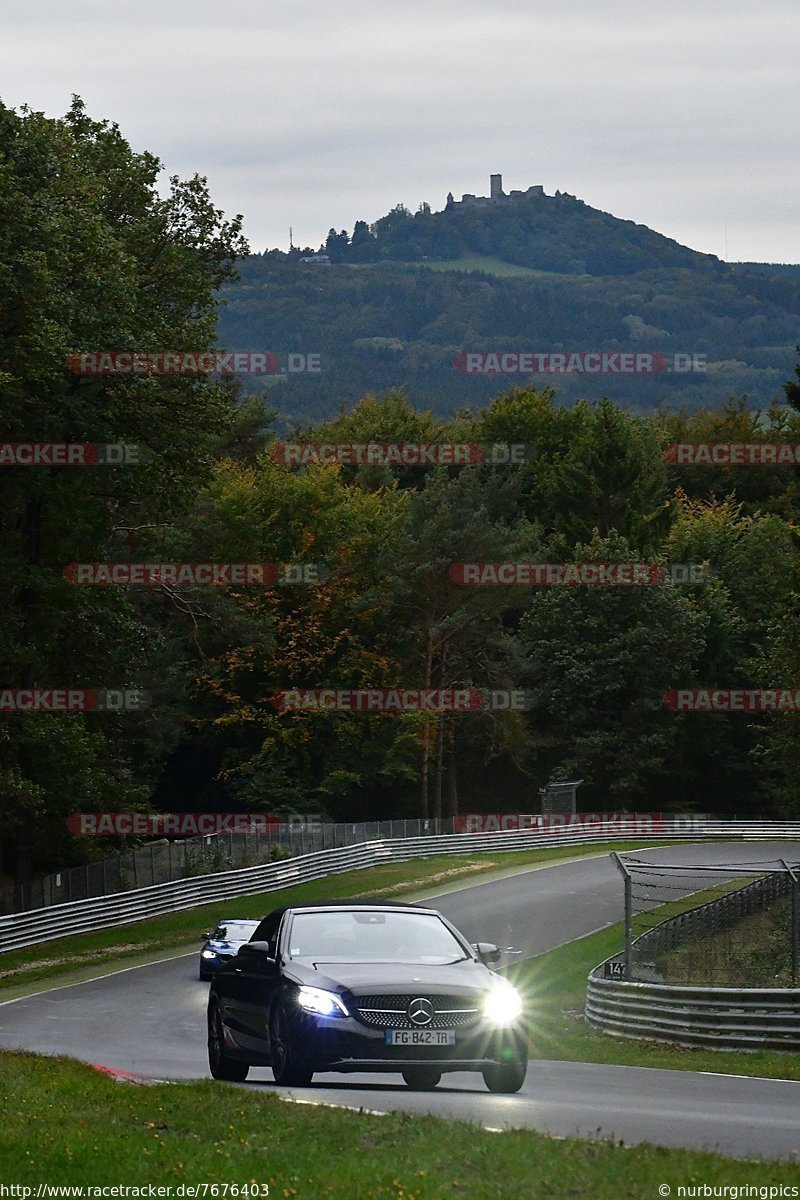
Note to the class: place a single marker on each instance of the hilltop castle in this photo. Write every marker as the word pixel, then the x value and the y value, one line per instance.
pixel 496 195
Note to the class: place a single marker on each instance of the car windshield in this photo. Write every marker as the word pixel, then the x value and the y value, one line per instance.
pixel 234 931
pixel 370 936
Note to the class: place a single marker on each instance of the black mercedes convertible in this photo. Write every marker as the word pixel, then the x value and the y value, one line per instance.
pixel 365 987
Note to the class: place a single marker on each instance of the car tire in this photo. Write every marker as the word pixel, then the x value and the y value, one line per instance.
pixel 507 1078
pixel 290 1068
pixel 204 977
pixel 421 1079
pixel 220 1064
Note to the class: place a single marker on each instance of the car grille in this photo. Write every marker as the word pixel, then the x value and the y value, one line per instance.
pixel 390 1012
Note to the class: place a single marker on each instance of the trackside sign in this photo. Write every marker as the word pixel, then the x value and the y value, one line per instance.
pixel 622 823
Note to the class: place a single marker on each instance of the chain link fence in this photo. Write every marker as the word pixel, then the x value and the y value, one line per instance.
pixel 745 933
pixel 164 861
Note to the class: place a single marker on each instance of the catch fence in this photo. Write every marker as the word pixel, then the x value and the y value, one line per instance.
pixel 165 861
pixel 746 932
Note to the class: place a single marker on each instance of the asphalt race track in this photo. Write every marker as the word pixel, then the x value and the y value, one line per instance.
pixel 150 1020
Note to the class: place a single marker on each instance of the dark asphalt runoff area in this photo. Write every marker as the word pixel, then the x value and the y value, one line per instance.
pixel 150 1020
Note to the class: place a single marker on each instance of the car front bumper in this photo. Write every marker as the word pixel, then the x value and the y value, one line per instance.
pixel 208 966
pixel 346 1044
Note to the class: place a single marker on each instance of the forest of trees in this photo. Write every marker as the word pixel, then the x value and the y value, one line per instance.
pixel 391 323
pixel 91 257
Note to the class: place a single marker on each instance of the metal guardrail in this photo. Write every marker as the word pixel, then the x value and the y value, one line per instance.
pixel 18 930
pixel 721 1018
pixel 164 860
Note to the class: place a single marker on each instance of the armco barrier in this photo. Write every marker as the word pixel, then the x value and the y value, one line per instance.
pixel 723 1018
pixel 18 930
pixel 164 860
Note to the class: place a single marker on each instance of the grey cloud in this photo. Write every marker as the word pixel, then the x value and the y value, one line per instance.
pixel 317 115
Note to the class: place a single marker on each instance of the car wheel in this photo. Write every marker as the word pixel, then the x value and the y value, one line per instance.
pixel 289 1067
pixel 421 1079
pixel 220 1065
pixel 507 1078
pixel 204 977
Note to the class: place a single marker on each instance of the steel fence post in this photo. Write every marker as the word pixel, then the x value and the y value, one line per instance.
pixel 628 911
pixel 795 922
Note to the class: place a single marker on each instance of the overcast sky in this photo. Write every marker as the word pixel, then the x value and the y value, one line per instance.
pixel 312 113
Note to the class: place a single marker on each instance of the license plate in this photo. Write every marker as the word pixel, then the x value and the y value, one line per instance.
pixel 420 1037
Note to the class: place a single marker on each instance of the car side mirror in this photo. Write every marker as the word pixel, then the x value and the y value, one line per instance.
pixel 205 936
pixel 255 950
pixel 487 952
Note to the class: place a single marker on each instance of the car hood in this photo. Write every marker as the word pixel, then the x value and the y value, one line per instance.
pixel 403 978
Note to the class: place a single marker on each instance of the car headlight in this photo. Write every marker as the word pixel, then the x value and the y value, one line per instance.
pixel 208 954
pixel 502 1005
pixel 325 1004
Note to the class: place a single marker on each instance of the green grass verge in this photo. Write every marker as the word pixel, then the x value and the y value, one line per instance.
pixel 83 955
pixel 67 1125
pixel 754 952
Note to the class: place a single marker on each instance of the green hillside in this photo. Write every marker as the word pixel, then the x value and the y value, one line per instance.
pixel 403 298
pixel 548 233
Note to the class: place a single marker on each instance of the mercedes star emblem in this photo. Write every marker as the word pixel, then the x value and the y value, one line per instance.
pixel 420 1011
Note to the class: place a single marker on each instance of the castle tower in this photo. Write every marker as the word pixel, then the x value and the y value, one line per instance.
pixel 496 185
